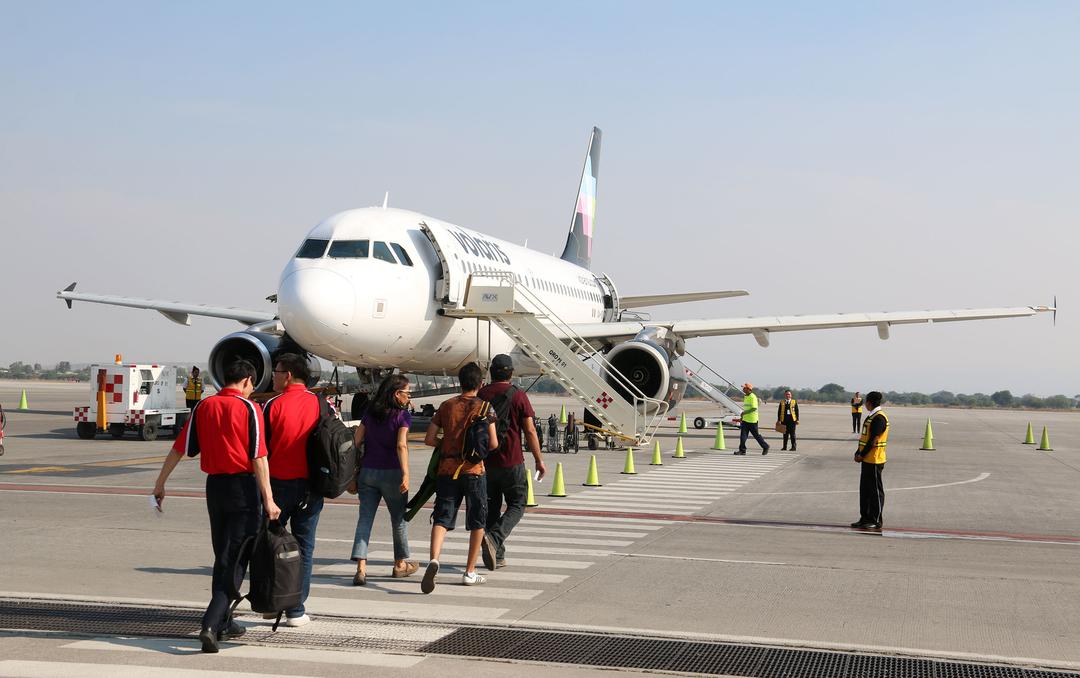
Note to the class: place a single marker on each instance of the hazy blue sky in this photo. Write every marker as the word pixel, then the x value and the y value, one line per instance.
pixel 844 156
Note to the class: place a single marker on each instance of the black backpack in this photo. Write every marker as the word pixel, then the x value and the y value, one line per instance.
pixel 502 405
pixel 477 438
pixel 332 458
pixel 277 571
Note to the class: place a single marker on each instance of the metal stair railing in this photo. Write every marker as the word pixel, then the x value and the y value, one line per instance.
pixel 720 396
pixel 524 323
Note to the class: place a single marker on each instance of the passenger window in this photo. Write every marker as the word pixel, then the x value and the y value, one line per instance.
pixel 349 249
pixel 313 248
pixel 402 255
pixel 382 253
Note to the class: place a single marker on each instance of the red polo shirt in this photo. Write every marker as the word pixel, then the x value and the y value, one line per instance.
pixel 290 418
pixel 226 429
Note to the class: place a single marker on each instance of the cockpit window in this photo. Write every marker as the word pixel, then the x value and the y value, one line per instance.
pixel 349 249
pixel 313 248
pixel 382 252
pixel 402 255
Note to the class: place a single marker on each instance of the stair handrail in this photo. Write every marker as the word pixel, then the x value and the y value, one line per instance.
pixel 647 425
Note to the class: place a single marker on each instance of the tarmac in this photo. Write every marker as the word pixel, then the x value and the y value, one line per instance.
pixel 978 561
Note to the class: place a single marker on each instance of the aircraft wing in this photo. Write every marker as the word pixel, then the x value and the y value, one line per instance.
pixel 173 310
pixel 761 327
pixel 663 299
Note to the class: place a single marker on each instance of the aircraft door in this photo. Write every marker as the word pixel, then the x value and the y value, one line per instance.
pixel 449 282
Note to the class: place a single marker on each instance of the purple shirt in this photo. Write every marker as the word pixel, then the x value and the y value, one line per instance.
pixel 380 438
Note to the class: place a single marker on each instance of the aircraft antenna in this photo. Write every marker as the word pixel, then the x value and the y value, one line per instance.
pixel 386 200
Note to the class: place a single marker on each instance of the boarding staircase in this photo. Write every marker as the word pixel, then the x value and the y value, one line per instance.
pixel 714 387
pixel 564 355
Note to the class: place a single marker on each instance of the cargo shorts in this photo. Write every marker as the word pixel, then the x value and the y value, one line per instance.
pixel 448 495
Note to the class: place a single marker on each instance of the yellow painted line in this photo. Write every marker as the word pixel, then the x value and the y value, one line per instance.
pixel 43 469
pixel 126 462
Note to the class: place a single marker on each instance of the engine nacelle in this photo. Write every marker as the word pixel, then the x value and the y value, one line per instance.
pixel 649 367
pixel 258 348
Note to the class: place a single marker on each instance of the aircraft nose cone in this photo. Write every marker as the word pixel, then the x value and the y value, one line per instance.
pixel 316 306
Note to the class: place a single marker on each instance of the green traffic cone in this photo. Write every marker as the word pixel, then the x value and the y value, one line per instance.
pixel 22 401
pixel 558 486
pixel 682 423
pixel 1044 443
pixel 530 499
pixel 562 416
pixel 680 453
pixel 593 479
pixel 719 444
pixel 628 467
pixel 928 438
pixel 1030 438
pixel 656 460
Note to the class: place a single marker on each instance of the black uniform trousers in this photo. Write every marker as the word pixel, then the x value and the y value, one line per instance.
pixel 856 421
pixel 789 432
pixel 235 509
pixel 746 429
pixel 871 493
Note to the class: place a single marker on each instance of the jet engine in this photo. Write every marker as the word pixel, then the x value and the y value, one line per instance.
pixel 652 365
pixel 258 348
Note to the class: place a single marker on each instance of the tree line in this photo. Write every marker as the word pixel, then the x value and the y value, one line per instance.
pixel 835 393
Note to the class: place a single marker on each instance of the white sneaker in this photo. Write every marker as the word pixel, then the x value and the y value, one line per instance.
pixel 298 621
pixel 472 579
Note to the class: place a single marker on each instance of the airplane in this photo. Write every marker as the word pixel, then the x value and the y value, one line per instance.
pixel 370 287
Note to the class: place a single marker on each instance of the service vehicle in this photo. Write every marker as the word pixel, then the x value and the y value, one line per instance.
pixel 136 398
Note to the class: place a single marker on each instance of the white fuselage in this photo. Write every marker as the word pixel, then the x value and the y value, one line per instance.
pixel 353 300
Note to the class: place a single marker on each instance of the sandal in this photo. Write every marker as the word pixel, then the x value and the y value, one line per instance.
pixel 401 572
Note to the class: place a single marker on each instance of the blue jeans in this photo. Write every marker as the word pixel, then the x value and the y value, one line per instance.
pixel 372 485
pixel 290 496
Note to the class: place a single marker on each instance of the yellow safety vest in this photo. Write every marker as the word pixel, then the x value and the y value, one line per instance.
pixel 193 389
pixel 856 407
pixel 750 403
pixel 786 409
pixel 876 454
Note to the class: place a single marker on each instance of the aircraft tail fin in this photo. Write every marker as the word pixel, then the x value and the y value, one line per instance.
pixel 578 248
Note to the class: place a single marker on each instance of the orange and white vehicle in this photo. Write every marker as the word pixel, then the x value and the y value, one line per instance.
pixel 128 397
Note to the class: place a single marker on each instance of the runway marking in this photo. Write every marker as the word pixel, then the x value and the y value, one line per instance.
pixel 126 462
pixel 455 559
pixel 190 647
pixel 401 610
pixel 33 669
pixel 42 469
pixel 980 477
pixel 348 569
pixel 412 587
pixel 704 560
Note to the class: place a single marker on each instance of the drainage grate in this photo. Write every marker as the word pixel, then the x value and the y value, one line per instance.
pixel 753 661
pixel 518 644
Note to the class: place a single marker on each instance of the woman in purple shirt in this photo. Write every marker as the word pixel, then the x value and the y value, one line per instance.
pixel 384 473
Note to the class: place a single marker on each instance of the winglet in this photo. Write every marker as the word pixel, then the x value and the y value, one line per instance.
pixel 69 288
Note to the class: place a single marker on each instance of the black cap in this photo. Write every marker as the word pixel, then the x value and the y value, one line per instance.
pixel 502 362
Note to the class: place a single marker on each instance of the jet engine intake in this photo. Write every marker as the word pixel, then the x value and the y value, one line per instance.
pixel 648 367
pixel 258 348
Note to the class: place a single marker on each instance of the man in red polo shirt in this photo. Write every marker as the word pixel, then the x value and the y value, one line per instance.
pixel 290 417
pixel 226 429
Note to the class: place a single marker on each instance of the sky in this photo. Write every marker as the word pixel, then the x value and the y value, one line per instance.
pixel 827 157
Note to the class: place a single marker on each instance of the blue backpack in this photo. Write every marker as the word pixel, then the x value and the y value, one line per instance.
pixel 477 436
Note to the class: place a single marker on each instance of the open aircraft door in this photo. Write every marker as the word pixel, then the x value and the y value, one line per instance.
pixel 450 283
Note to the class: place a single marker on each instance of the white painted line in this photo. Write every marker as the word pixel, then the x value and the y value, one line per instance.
pixel 547 564
pixel 584 533
pixel 703 560
pixel 348 569
pixel 389 607
pixel 463 545
pixel 554 522
pixel 516 538
pixel 32 669
pixel 978 478
pixel 412 586
pixel 618 509
pixel 604 502
pixel 181 647
pixel 597 521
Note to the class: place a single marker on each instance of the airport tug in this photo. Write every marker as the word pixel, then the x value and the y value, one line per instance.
pixel 139 398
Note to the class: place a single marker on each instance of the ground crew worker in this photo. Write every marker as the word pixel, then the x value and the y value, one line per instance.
pixel 226 429
pixel 505 467
pixel 289 419
pixel 856 412
pixel 787 415
pixel 193 389
pixel 871 457
pixel 748 422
